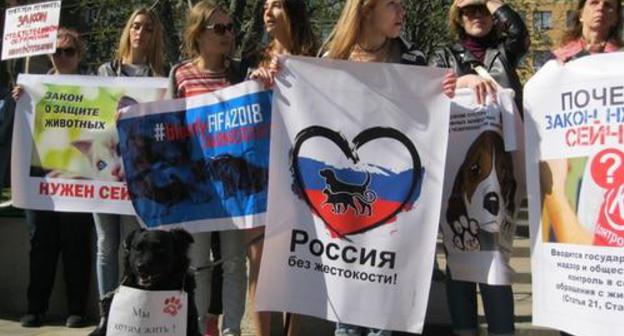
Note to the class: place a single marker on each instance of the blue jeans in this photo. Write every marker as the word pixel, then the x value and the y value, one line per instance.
pixel 498 305
pixel 343 329
pixel 108 229
pixel 233 252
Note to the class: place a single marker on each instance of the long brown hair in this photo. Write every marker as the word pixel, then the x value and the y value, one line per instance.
pixel 154 53
pixel 576 30
pixel 348 28
pixel 299 29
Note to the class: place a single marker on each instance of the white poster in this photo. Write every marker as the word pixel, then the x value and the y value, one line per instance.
pixel 31 30
pixel 483 188
pixel 355 187
pixel 137 312
pixel 66 153
pixel 575 172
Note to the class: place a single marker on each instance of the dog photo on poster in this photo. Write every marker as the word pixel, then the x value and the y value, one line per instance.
pixel 483 188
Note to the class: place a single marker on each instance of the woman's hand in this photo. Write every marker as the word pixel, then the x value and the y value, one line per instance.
pixel 267 74
pixel 449 84
pixel 481 86
pixel 17 92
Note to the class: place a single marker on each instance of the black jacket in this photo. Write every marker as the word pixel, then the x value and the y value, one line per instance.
pixel 500 61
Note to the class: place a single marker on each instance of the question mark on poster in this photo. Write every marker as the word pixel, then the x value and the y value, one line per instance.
pixel 606 168
pixel 617 163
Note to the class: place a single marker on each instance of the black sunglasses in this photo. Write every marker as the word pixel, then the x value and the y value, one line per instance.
pixel 220 28
pixel 473 10
pixel 68 52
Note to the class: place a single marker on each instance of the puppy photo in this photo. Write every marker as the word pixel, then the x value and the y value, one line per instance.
pixel 156 260
pixel 482 199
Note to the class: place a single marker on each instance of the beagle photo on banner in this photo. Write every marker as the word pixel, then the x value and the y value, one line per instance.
pixel 482 189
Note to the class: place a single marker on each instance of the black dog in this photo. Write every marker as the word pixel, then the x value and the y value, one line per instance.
pixel 156 260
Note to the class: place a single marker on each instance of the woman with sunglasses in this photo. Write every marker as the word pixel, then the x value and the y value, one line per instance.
pixel 369 31
pixel 140 54
pixel 288 26
pixel 59 234
pixel 493 36
pixel 489 34
pixel 209 43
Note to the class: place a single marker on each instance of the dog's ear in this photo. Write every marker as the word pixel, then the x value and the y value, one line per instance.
pixel 182 238
pixel 456 206
pixel 129 238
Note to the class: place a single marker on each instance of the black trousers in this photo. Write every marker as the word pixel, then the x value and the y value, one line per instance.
pixel 55 234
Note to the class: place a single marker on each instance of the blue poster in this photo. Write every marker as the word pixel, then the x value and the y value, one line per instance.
pixel 201 162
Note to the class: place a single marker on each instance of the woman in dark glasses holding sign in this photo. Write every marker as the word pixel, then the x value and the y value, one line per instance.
pixel 59 234
pixel 490 35
pixel 209 43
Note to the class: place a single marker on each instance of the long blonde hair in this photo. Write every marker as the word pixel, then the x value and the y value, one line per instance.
pixel 154 52
pixel 345 34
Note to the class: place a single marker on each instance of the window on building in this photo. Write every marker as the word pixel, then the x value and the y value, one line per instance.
pixel 542 20
pixel 540 57
pixel 570 16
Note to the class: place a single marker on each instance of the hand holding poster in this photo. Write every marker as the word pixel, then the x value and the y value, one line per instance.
pixel 357 164
pixel 575 156
pixel 65 144
pixel 30 30
pixel 202 162
pixel 482 190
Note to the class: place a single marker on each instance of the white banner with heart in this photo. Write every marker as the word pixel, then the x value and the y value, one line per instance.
pixel 137 312
pixel 355 186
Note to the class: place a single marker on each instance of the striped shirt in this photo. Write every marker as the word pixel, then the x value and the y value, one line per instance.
pixel 191 80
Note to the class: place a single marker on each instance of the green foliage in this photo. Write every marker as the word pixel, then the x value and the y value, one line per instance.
pixel 104 19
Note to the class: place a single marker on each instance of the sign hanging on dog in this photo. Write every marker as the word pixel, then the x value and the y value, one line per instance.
pixel 482 189
pixel 138 312
pixel 200 163
pixel 575 159
pixel 66 148
pixel 357 164
pixel 30 30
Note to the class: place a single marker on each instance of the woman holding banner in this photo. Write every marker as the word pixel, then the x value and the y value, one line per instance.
pixel 288 25
pixel 493 37
pixel 597 29
pixel 368 31
pixel 209 42
pixel 139 54
pixel 59 233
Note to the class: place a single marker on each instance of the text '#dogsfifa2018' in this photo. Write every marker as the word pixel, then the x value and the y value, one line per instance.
pixel 231 126
pixel 590 117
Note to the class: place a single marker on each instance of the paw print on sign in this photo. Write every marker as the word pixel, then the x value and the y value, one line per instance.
pixel 465 234
pixel 172 306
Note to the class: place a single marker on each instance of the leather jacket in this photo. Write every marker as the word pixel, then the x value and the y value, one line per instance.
pixel 500 61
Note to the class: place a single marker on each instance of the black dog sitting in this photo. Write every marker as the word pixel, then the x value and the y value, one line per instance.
pixel 156 260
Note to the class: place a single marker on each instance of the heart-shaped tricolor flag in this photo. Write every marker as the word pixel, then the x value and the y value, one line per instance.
pixel 348 200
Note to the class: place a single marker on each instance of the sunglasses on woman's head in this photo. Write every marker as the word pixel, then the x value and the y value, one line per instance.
pixel 473 10
pixel 68 52
pixel 220 28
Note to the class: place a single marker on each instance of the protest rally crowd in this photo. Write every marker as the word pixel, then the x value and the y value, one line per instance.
pixel 489 35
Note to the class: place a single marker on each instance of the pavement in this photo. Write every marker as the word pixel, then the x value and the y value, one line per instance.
pixel 437 315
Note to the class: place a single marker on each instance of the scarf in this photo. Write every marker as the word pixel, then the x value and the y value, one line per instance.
pixel 479 45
